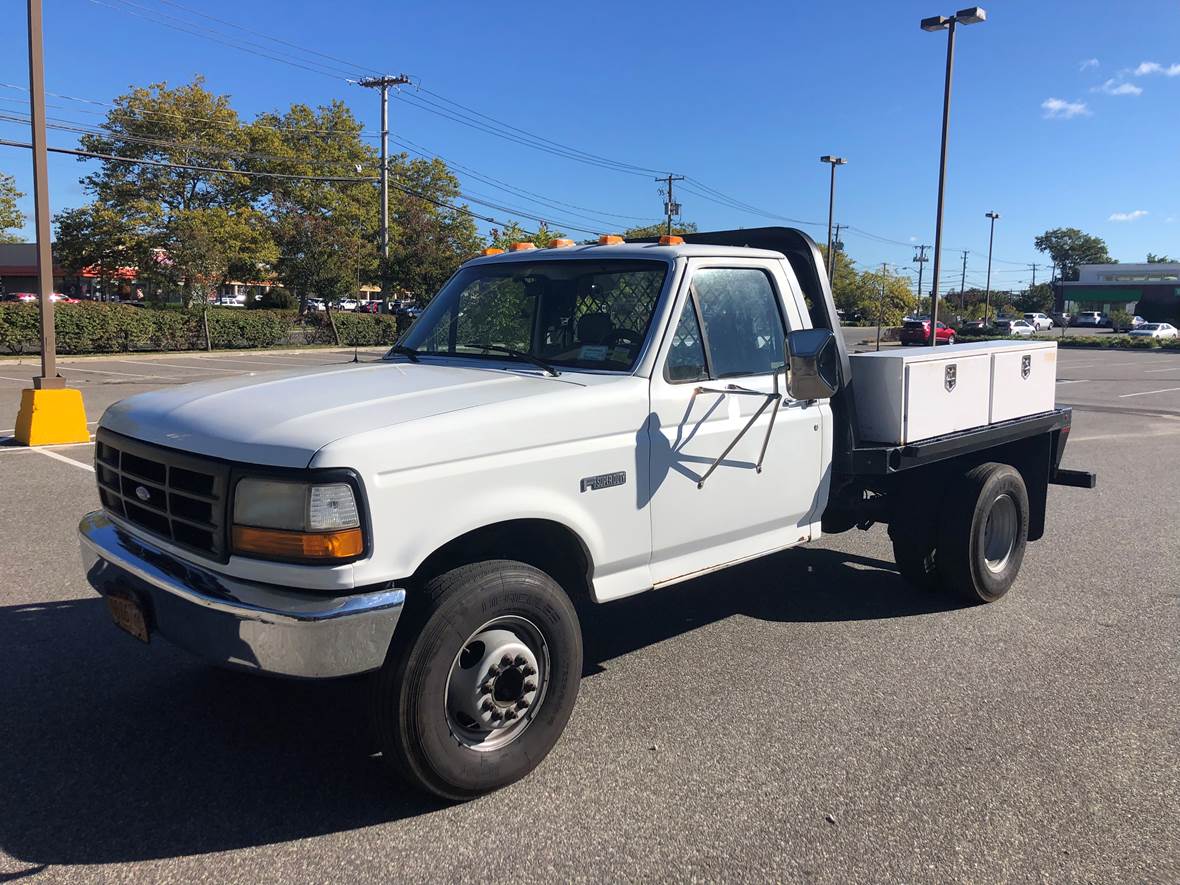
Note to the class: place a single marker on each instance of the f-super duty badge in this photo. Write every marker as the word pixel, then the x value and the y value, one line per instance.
pixel 604 481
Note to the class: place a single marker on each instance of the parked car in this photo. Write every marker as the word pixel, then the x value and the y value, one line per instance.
pixel 1061 318
pixel 1039 321
pixel 1135 322
pixel 443 517
pixel 368 307
pixel 315 304
pixel 978 326
pixel 917 331
pixel 1091 319
pixel 1014 327
pixel 19 297
pixel 1155 330
pixel 345 304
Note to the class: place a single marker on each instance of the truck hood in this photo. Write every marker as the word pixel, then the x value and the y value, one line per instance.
pixel 284 418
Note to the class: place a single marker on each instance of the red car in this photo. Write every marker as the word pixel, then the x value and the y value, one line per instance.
pixel 918 332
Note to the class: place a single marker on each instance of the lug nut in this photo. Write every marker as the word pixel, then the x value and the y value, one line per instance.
pixel 493 671
pixel 519 659
pixel 522 704
pixel 528 671
pixel 496 716
pixel 505 661
pixel 530 686
pixel 487 687
pixel 509 714
pixel 487 706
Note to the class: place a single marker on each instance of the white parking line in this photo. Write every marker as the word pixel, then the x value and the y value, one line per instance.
pixel 267 362
pixel 1148 392
pixel 77 369
pixel 56 457
pixel 1074 381
pixel 1153 371
pixel 187 368
pixel 21 380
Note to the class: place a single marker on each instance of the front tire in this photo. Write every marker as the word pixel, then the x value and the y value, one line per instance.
pixel 983 533
pixel 480 680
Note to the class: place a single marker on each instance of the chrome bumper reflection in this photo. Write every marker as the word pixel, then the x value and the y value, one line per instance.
pixel 237 623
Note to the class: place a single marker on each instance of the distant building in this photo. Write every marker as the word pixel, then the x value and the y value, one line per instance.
pixel 1150 290
pixel 18 273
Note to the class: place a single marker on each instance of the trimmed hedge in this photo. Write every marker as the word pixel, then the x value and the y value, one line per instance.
pixel 1120 342
pixel 119 328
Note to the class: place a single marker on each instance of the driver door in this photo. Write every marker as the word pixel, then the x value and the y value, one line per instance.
pixel 724 363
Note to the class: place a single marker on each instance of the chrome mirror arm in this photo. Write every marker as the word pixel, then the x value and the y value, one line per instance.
pixel 769 398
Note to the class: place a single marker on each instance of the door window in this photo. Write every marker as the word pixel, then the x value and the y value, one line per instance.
pixel 734 314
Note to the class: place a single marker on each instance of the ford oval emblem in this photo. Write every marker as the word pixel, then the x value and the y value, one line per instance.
pixel 142 493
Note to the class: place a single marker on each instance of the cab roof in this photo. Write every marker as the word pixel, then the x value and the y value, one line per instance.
pixel 629 251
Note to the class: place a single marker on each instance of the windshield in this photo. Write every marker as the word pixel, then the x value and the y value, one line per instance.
pixel 581 314
pixel 1153 327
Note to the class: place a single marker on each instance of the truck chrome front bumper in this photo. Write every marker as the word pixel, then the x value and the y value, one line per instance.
pixel 240 624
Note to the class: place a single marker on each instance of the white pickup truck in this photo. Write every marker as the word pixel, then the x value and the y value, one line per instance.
pixel 577 422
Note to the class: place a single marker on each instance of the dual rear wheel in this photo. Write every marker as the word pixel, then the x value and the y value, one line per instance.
pixel 976 544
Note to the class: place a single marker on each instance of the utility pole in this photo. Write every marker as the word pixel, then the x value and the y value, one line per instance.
pixel 920 259
pixel 836 245
pixel 671 207
pixel 963 286
pixel 383 83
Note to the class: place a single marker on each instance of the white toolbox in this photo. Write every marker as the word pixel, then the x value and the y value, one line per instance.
pixel 904 395
pixel 1024 379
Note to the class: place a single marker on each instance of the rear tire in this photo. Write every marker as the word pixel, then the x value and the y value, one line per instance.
pixel 451 720
pixel 983 533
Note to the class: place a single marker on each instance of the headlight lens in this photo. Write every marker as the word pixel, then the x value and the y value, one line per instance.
pixel 281 519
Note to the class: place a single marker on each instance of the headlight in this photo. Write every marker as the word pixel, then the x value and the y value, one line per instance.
pixel 281 519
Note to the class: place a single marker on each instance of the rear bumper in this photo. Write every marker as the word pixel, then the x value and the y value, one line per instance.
pixel 240 624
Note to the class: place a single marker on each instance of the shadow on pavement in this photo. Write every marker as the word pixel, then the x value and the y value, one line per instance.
pixel 116 751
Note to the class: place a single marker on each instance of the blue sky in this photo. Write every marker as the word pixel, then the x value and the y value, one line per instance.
pixel 1063 113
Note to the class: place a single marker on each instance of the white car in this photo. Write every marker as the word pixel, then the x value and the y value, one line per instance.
pixel 1039 321
pixel 1014 327
pixel 345 304
pixel 1091 318
pixel 1155 330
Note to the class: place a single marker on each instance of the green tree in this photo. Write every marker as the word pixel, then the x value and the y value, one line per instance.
pixel 659 229
pixel 95 238
pixel 886 296
pixel 317 258
pixel 212 245
pixel 10 216
pixel 1036 298
pixel 512 232
pixel 1152 258
pixel 1069 248
pixel 430 233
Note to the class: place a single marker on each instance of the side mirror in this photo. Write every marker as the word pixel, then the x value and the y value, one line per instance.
pixel 814 363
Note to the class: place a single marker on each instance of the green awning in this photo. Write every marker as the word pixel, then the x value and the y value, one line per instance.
pixel 1106 295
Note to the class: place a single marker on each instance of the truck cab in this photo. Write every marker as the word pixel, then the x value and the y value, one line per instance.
pixel 577 422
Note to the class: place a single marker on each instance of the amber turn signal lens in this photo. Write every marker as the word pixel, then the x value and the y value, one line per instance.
pixel 560 243
pixel 522 247
pixel 610 240
pixel 491 250
pixel 278 544
pixel 671 240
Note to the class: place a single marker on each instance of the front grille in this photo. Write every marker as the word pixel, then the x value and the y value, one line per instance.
pixel 175 495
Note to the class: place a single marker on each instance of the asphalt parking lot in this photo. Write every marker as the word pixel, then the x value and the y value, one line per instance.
pixel 808 717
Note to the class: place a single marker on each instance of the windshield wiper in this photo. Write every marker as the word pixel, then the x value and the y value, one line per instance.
pixel 406 351
pixel 517 354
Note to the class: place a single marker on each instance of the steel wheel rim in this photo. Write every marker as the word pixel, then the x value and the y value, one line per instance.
pixel 497 683
pixel 999 532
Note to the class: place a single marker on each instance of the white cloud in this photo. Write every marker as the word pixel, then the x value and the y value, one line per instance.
pixel 1154 67
pixel 1128 216
pixel 1060 109
pixel 1169 220
pixel 1088 63
pixel 1114 87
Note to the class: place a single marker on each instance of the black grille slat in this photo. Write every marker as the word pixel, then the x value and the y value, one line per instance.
pixel 175 495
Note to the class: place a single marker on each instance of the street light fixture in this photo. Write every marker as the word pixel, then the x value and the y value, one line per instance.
pixel 969 16
pixel 833 162
pixel 987 309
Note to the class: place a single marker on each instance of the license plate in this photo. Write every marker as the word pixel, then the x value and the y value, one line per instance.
pixel 128 615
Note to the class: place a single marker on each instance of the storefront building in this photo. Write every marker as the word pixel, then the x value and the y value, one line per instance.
pixel 1149 290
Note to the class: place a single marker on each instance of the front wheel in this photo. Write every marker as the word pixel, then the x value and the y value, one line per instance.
pixel 950 340
pixel 983 532
pixel 477 690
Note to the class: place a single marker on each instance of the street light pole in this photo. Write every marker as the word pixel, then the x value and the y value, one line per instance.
pixel 968 16
pixel 833 162
pixel 48 379
pixel 987 309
